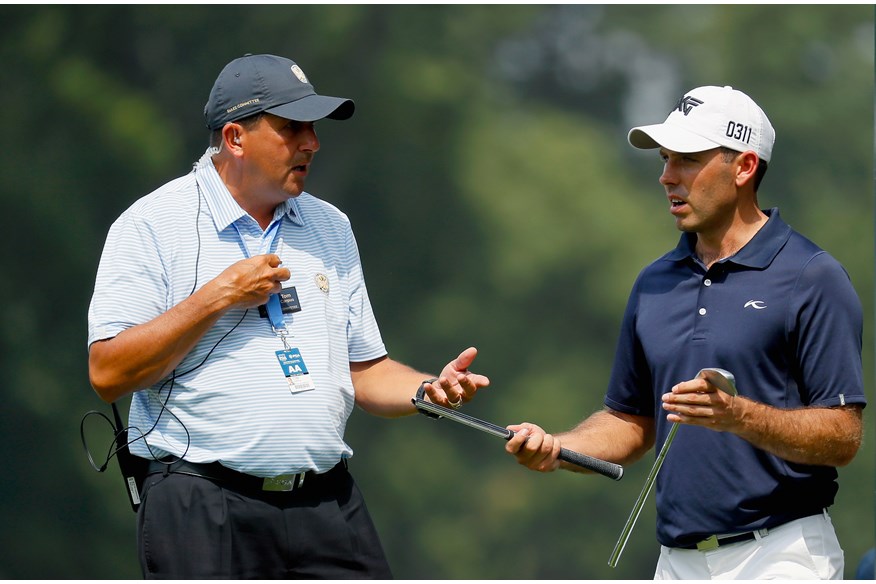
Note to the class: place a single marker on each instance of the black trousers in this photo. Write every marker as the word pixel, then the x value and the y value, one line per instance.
pixel 194 528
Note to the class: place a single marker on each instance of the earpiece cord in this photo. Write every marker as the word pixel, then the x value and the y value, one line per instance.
pixel 114 450
pixel 170 391
pixel 173 373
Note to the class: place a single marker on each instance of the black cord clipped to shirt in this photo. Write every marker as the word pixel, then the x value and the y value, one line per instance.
pixel 134 467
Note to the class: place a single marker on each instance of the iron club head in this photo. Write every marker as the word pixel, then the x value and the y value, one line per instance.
pixel 720 378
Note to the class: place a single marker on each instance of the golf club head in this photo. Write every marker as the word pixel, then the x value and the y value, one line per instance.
pixel 720 378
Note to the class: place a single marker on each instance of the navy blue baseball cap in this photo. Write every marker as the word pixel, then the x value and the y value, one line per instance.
pixel 266 83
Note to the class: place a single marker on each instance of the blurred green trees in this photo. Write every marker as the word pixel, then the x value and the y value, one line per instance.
pixel 495 201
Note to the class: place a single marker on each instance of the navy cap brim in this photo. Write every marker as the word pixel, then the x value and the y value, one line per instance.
pixel 315 107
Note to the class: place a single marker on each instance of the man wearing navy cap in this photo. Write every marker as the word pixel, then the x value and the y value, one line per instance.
pixel 232 305
pixel 744 491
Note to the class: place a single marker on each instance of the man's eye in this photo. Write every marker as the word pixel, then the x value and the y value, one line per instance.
pixel 295 127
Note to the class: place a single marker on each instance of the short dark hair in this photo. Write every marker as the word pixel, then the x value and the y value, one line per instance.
pixel 248 122
pixel 762 164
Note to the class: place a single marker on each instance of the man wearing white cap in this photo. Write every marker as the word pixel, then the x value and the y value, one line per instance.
pixel 744 491
pixel 232 304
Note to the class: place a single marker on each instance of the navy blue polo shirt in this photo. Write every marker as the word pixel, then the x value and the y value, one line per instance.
pixel 783 317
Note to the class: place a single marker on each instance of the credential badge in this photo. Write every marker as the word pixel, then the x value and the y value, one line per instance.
pixel 299 74
pixel 322 282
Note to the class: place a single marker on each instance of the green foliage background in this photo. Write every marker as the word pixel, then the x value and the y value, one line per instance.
pixel 496 204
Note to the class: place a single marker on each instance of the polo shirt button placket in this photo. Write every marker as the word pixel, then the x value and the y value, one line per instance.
pixel 706 282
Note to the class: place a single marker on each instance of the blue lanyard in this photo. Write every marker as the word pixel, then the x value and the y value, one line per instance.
pixel 275 312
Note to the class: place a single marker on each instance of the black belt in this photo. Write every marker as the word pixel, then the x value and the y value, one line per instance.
pixel 242 481
pixel 715 541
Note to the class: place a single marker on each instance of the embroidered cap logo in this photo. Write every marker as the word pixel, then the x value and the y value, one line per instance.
pixel 296 70
pixel 687 103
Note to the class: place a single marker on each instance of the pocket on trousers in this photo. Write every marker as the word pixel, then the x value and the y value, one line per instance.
pixel 182 529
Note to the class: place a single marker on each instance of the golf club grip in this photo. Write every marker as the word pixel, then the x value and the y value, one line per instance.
pixel 603 467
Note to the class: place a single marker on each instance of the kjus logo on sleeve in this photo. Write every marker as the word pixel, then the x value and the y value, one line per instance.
pixel 755 304
pixel 687 103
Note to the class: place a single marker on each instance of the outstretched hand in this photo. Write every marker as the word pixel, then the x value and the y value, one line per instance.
pixel 456 384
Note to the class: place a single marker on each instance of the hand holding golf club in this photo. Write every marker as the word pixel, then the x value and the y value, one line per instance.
pixel 707 382
pixel 603 467
pixel 699 402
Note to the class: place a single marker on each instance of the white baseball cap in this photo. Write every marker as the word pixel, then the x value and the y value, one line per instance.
pixel 710 117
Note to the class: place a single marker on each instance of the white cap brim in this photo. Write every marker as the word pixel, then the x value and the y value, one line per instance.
pixel 670 137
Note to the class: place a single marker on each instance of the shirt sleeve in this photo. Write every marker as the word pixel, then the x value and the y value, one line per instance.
pixel 827 331
pixel 363 335
pixel 630 373
pixel 131 286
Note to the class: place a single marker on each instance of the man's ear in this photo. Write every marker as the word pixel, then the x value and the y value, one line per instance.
pixel 231 138
pixel 747 163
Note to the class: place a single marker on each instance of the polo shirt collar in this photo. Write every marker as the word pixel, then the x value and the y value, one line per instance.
pixel 223 208
pixel 757 253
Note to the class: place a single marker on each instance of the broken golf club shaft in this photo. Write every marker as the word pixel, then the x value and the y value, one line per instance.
pixel 640 502
pixel 720 378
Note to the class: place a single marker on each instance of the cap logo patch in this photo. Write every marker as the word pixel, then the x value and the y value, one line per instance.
pixel 296 70
pixel 687 103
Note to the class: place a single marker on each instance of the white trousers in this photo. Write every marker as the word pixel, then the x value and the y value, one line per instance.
pixel 803 549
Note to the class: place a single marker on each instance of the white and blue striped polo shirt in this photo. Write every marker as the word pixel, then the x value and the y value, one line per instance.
pixel 237 408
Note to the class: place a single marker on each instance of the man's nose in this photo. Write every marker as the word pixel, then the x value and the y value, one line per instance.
pixel 669 176
pixel 310 141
